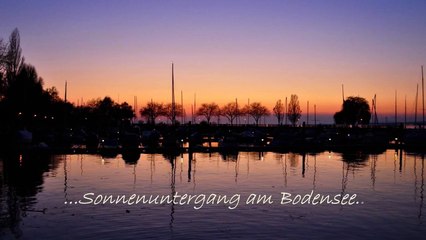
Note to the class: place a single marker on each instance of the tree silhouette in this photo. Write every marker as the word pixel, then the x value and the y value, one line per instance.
pixel 104 115
pixel 23 101
pixel 355 110
pixel 256 110
pixel 217 114
pixel 279 111
pixel 125 112
pixel 53 94
pixel 151 111
pixel 54 107
pixel 294 113
pixel 2 69
pixel 208 110
pixel 14 58
pixel 168 111
pixel 231 111
pixel 11 61
pixel 24 93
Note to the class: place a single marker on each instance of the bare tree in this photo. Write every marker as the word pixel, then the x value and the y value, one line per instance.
pixel 218 114
pixel 231 111
pixel 256 110
pixel 2 68
pixel 279 111
pixel 14 59
pixel 208 110
pixel 2 56
pixel 168 111
pixel 151 111
pixel 294 112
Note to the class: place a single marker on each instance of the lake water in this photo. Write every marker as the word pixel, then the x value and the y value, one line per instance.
pixel 51 197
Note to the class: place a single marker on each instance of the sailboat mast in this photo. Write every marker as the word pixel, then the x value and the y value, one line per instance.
pixel 376 120
pixel 181 103
pixel 372 110
pixel 195 109
pixel 286 111
pixel 66 89
pixel 307 114
pixel 236 111
pixel 396 107
pixel 173 97
pixel 135 106
pixel 405 111
pixel 315 114
pixel 247 115
pixel 192 113
pixel 423 97
pixel 415 105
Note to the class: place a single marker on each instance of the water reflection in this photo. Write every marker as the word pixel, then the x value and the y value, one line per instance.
pixel 171 157
pixel 422 189
pixel 229 156
pixel 22 178
pixel 66 180
pixel 33 189
pixel 131 157
pixel 190 160
pixel 373 166
pixel 314 181
pixel 355 159
pixel 418 194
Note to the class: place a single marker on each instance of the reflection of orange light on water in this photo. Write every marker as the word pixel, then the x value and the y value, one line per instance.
pixel 328 167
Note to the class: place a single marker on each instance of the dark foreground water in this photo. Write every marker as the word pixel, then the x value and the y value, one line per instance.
pixel 51 197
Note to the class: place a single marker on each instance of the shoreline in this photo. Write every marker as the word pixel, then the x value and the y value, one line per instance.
pixel 224 139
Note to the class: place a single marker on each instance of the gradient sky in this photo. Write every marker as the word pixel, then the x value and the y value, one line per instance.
pixel 222 50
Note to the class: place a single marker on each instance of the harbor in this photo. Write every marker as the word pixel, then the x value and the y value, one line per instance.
pixel 199 138
pixel 219 119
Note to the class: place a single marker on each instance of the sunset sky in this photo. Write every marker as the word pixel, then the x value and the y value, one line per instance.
pixel 222 50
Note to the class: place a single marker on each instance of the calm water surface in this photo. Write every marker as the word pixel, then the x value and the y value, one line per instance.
pixel 390 185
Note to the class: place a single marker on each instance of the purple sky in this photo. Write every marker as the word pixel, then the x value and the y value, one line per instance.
pixel 222 50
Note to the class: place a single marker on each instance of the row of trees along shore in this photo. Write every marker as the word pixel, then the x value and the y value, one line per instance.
pixel 25 103
pixel 231 111
pixel 355 110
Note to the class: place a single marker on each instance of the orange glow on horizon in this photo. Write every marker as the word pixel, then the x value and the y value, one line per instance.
pixel 325 94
